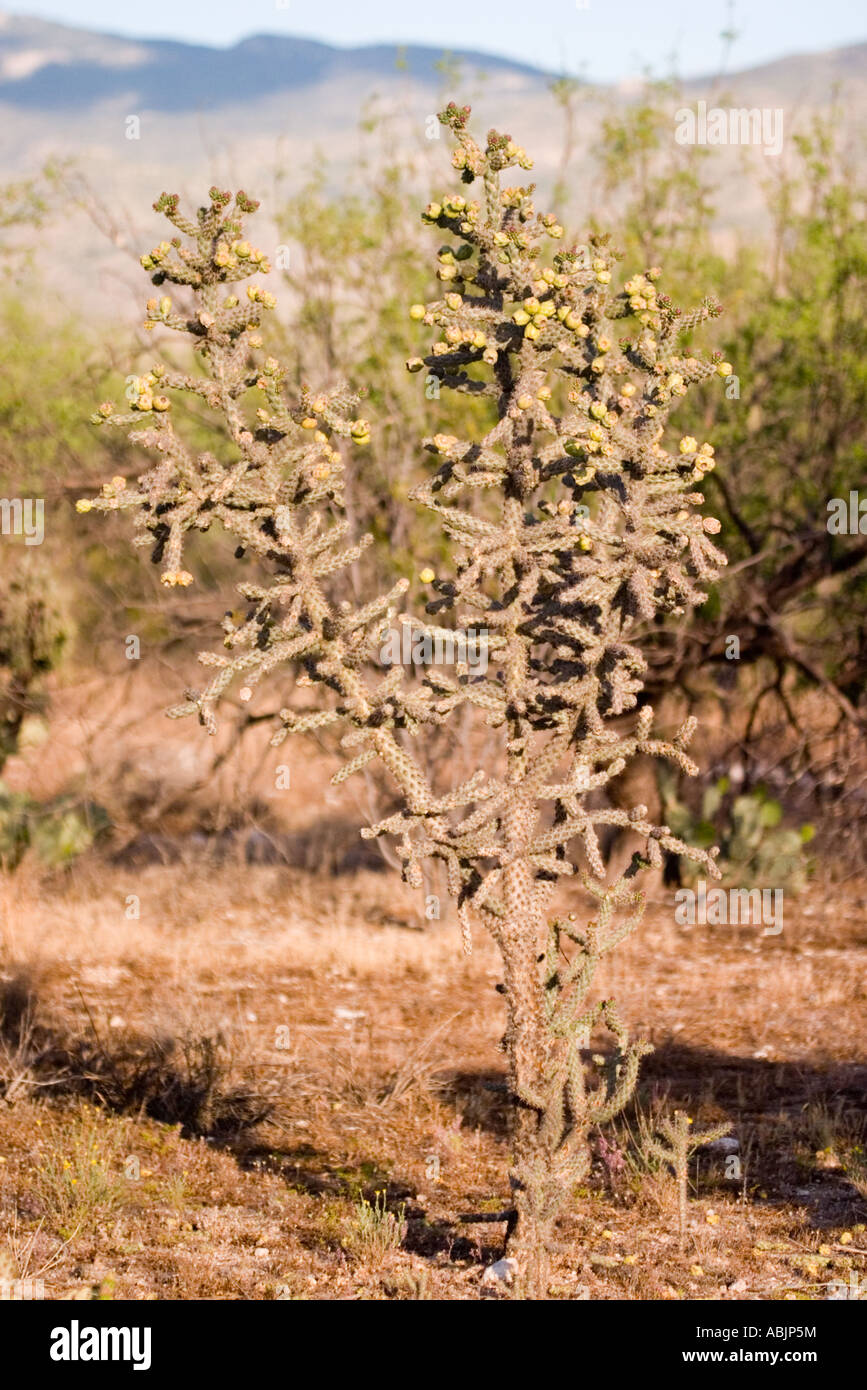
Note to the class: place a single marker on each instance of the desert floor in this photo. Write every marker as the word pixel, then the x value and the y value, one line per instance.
pixel 275 1083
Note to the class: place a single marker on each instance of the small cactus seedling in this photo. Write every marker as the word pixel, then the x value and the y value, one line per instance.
pixel 571 524
pixel 674 1145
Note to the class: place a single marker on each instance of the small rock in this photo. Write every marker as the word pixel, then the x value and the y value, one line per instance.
pixel 739 1286
pixel 726 1145
pixel 262 1252
pixel 503 1272
pixel 116 1021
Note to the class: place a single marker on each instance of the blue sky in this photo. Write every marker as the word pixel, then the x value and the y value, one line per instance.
pixel 601 39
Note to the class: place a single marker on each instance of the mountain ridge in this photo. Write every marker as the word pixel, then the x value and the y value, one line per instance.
pixel 48 66
pixel 171 75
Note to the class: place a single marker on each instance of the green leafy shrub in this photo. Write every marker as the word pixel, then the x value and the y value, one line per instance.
pixel 58 831
pixel 756 849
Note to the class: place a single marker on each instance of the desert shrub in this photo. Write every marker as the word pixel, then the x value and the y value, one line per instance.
pixel 374 1231
pixel 80 1175
pixel 790 426
pixel 58 830
pixel 571 519
pixel 756 849
pixel 34 631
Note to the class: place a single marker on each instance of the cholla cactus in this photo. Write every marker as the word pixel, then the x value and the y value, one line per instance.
pixel 33 634
pixel 677 1143
pixel 579 525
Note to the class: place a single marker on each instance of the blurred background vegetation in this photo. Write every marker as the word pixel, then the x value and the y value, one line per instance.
pixel 785 719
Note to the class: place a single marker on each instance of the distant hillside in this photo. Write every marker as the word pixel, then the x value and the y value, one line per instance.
pixel 51 68
pixel 273 102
